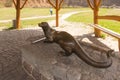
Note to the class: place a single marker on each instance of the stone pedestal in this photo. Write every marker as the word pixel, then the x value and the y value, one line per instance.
pixel 42 61
pixel 45 61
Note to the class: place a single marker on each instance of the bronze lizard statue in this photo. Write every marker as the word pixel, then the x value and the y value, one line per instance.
pixel 70 45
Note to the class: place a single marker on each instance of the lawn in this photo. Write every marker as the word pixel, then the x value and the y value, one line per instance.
pixel 88 18
pixel 26 23
pixel 9 13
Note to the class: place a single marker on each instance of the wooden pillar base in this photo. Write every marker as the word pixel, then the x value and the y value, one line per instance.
pixel 119 44
pixel 97 32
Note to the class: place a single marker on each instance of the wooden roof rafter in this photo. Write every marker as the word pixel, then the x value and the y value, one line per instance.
pixel 53 5
pixel 95 5
pixel 57 5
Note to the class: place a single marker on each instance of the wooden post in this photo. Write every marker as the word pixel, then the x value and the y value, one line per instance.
pixel 18 14
pixel 57 14
pixel 18 8
pixel 119 44
pixel 57 7
pixel 96 9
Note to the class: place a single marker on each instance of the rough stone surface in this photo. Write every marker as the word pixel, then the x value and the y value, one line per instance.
pixel 53 66
pixel 10 55
pixel 48 62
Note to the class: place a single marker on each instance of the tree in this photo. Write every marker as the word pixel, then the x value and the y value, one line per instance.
pixel 18 7
pixel 57 5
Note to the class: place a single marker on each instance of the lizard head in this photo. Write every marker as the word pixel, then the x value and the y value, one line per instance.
pixel 43 24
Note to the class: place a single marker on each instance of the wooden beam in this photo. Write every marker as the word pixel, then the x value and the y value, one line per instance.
pixel 23 4
pixel 110 17
pixel 98 3
pixel 60 4
pixel 90 4
pixel 57 7
pixel 52 4
pixel 14 3
pixel 110 32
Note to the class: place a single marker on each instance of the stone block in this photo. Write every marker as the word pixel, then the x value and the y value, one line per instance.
pixel 47 63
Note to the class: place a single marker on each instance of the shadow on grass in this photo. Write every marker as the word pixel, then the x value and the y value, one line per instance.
pixel 10 28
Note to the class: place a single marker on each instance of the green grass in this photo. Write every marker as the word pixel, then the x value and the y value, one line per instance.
pixel 34 22
pixel 9 13
pixel 110 24
pixel 30 12
pixel 67 10
pixel 81 17
pixel 26 23
pixel 88 18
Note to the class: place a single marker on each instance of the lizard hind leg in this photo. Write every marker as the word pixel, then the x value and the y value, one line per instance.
pixel 67 51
